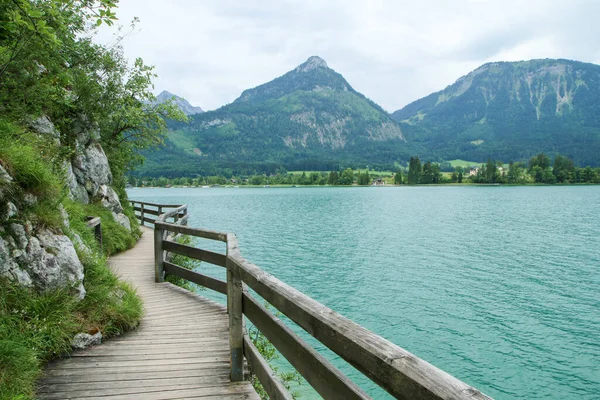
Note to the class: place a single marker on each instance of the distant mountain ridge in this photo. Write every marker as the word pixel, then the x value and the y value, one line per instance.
pixel 182 103
pixel 310 116
pixel 509 111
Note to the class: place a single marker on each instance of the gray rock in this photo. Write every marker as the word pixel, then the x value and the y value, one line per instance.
pixel 91 168
pixel 122 220
pixel 76 191
pixel 18 232
pixel 80 245
pixel 44 126
pixel 30 200
pixel 4 176
pixel 5 259
pixel 11 211
pixel 21 277
pixel 84 340
pixel 52 263
pixel 109 199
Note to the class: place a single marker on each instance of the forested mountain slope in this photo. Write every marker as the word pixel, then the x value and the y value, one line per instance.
pixel 511 111
pixel 308 118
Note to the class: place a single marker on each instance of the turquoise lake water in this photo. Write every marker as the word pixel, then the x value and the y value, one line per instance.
pixel 498 286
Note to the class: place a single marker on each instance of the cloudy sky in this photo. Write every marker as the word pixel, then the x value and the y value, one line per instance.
pixel 393 51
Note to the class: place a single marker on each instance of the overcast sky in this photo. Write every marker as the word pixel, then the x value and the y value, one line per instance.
pixel 393 51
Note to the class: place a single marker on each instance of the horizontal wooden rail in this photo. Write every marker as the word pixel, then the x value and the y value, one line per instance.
pixel 263 372
pixel 393 368
pixel 327 380
pixel 195 253
pixel 195 277
pixel 185 230
pixel 146 203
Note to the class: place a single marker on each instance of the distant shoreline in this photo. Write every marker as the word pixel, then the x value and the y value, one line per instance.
pixel 361 186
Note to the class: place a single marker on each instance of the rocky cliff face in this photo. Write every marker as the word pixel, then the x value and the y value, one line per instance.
pixel 44 259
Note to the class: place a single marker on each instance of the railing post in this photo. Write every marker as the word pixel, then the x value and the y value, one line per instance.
pixel 158 255
pixel 98 233
pixel 236 332
pixel 142 213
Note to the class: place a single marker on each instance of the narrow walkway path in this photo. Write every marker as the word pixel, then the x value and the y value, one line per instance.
pixel 180 350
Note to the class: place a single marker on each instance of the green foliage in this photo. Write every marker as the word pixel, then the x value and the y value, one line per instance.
pixel 32 162
pixel 398 177
pixel 430 173
pixel 346 178
pixel 414 171
pixel 364 179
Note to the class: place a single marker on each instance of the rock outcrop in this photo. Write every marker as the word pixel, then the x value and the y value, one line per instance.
pixel 36 257
pixel 88 175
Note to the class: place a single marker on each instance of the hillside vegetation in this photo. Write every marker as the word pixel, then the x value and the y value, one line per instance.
pixel 73 116
pixel 310 118
pixel 511 111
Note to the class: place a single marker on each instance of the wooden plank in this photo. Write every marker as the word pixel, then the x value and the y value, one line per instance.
pixel 138 369
pixel 398 371
pixel 201 233
pixel 221 392
pixel 93 222
pixel 147 211
pixel 158 255
pixel 83 362
pixel 263 372
pixel 49 381
pixel 326 379
pixel 141 391
pixel 195 253
pixel 145 383
pixel 155 204
pixel 195 277
pixel 236 320
pixel 149 220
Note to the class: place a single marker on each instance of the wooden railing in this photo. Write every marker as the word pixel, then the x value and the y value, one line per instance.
pixel 96 224
pixel 402 374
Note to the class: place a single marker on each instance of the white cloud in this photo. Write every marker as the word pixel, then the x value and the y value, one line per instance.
pixel 392 51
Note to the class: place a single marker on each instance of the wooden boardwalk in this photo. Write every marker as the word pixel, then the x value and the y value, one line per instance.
pixel 180 350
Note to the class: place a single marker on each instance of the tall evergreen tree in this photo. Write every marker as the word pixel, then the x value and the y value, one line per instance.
pixel 414 171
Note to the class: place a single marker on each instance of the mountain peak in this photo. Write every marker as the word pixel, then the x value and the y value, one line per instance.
pixel 312 63
pixel 180 102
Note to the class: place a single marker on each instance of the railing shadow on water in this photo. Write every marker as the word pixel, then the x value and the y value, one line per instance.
pixel 400 373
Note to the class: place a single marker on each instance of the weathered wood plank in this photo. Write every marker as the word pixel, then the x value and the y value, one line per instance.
pixel 239 391
pixel 141 391
pixel 201 233
pixel 236 320
pixel 195 277
pixel 263 372
pixel 199 381
pixel 326 379
pixel 195 253
pixel 50 382
pixel 155 204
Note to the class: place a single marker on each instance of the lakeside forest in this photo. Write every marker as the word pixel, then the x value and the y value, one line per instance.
pixel 540 169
